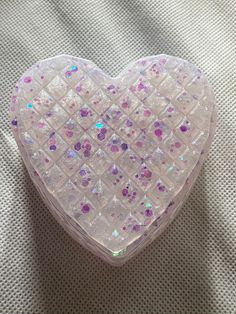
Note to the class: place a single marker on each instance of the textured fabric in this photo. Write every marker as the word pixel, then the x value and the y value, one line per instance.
pixel 191 268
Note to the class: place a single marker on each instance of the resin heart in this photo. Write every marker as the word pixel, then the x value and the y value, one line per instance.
pixel 114 158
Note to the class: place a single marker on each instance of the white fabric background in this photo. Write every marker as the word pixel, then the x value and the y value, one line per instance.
pixel 191 268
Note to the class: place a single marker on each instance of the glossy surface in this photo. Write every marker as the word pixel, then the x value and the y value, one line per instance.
pixel 114 158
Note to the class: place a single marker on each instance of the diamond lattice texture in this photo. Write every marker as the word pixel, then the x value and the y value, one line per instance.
pixel 191 268
pixel 115 156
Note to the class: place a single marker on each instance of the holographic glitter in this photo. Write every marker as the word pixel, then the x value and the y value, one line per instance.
pixel 29 106
pixel 99 125
pixel 113 157
pixel 73 68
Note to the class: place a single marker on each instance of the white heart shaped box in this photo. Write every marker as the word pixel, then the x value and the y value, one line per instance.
pixel 113 158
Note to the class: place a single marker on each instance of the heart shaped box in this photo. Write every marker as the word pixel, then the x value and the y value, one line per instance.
pixel 113 158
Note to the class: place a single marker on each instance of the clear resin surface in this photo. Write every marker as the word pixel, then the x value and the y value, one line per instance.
pixel 113 158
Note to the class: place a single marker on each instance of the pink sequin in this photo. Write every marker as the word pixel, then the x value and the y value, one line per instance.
pixel 158 132
pixel 28 79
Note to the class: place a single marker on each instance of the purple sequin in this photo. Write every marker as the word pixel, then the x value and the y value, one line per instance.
pixel 183 128
pixel 124 146
pixel 53 147
pixel 77 146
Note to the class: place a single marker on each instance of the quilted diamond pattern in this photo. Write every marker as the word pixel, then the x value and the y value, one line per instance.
pixel 114 154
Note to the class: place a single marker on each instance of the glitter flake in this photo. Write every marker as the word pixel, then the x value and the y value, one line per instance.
pixel 112 154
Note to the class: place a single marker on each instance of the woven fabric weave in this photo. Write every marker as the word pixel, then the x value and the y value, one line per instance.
pixel 191 268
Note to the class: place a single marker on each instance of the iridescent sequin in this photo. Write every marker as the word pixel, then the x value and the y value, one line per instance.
pixel 113 155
